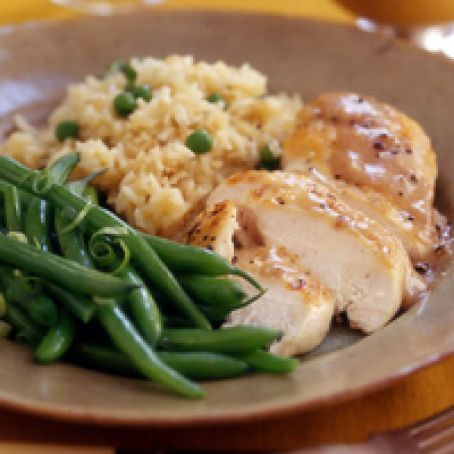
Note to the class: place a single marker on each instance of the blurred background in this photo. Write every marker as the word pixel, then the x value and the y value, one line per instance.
pixel 429 24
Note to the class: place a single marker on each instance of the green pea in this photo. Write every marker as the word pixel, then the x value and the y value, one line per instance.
pixel 125 104
pixel 267 159
pixel 199 141
pixel 123 67
pixel 66 129
pixel 217 98
pixel 141 91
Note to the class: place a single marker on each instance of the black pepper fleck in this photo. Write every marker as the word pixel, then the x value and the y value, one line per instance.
pixel 439 248
pixel 422 267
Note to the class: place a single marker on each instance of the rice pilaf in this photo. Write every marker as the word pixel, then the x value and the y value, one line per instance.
pixel 152 177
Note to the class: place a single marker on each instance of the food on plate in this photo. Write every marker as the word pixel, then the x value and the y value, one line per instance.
pixel 174 221
pixel 152 177
pixel 374 147
pixel 296 302
pixel 365 266
pixel 52 301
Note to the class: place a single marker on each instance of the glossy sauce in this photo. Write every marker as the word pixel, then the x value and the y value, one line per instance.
pixel 373 145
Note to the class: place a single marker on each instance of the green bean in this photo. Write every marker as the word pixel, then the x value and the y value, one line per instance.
pixel 263 361
pixel 37 219
pixel 82 187
pixel 236 339
pixel 42 310
pixel 143 255
pixel 213 291
pixel 215 314
pixel 37 223
pixel 204 365
pixel 13 209
pixel 188 259
pixel 27 293
pixel 61 169
pixel 127 339
pixel 57 340
pixel 79 305
pixel 19 289
pixel 92 195
pixel 199 365
pixel 132 344
pixel 103 358
pixel 72 242
pixel 143 307
pixel 21 322
pixel 59 270
pixel 141 304
pixel 3 186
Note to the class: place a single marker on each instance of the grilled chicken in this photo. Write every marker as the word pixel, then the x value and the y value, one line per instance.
pixel 364 265
pixel 295 302
pixel 375 147
pixel 417 242
pixel 214 228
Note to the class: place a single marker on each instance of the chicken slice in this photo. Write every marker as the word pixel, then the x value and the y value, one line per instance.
pixel 295 302
pixel 214 228
pixel 371 145
pixel 418 242
pixel 364 265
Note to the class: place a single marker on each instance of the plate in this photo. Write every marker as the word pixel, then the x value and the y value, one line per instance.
pixel 39 59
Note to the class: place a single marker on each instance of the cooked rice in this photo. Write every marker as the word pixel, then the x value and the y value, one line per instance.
pixel 152 178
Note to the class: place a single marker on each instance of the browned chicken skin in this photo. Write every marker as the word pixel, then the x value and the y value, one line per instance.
pixel 369 144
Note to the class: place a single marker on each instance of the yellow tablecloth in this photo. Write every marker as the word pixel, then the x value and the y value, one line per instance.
pixel 20 10
pixel 417 397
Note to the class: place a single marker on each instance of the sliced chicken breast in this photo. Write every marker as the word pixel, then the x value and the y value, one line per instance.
pixel 364 265
pixel 295 302
pixel 371 145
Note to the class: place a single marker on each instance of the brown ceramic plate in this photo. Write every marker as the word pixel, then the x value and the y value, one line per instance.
pixel 38 60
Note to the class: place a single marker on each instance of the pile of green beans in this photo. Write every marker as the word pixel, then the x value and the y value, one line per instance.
pixel 78 283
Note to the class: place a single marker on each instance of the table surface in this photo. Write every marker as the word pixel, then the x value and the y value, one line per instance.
pixel 416 397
